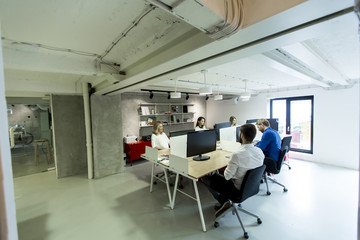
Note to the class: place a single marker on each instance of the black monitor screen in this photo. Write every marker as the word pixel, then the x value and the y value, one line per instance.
pixel 182 132
pixel 217 127
pixel 274 122
pixel 201 142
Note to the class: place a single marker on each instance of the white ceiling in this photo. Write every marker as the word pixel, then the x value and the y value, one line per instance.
pixel 52 46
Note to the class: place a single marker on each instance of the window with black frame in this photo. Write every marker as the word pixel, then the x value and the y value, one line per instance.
pixel 295 116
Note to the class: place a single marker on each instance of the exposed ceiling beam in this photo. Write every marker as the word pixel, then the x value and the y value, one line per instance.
pixel 248 41
pixel 288 64
pixel 311 56
pixel 32 59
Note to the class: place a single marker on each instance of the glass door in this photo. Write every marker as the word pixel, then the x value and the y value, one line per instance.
pixel 296 119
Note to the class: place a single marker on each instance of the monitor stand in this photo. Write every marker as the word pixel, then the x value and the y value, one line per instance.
pixel 201 158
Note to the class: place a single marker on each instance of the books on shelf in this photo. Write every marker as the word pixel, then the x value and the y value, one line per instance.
pixel 145 110
pixel 151 120
pixel 174 108
pixel 143 123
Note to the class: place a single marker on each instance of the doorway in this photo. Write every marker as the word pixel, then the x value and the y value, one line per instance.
pixel 295 116
pixel 30 139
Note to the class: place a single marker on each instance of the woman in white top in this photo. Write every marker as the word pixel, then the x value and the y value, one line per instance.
pixel 200 124
pixel 233 121
pixel 159 140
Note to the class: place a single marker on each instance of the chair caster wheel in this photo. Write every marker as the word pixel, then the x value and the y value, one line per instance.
pixel 246 235
pixel 261 181
pixel 268 193
pixel 289 168
pixel 259 221
pixel 216 224
pixel 285 190
pixel 154 183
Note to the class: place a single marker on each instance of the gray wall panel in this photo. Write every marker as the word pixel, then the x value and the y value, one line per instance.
pixel 69 134
pixel 107 135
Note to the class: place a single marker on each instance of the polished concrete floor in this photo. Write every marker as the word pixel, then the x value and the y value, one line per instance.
pixel 322 203
pixel 23 160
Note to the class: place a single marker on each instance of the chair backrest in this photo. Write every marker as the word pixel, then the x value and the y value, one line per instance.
pixel 285 142
pixel 282 157
pixel 251 183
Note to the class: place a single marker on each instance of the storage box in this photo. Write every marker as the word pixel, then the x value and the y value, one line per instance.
pixel 130 139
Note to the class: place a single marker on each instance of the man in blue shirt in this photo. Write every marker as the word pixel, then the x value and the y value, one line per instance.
pixel 270 142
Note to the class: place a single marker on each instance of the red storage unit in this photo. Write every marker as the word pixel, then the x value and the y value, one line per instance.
pixel 134 150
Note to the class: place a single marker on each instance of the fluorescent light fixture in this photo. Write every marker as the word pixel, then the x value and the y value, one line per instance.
pixel 175 95
pixel 218 97
pixel 205 91
pixel 245 95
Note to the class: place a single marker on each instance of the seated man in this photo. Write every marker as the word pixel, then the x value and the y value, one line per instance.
pixel 270 142
pixel 246 158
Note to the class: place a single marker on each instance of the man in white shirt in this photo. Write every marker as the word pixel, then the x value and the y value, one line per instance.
pixel 247 157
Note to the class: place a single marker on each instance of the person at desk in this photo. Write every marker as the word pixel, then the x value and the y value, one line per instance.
pixel 270 142
pixel 246 158
pixel 233 121
pixel 159 140
pixel 200 124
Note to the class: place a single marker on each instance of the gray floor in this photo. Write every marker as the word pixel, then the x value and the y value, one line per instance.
pixel 321 203
pixel 23 160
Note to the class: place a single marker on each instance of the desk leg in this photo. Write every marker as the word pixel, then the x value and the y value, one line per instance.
pixel 36 153
pixel 152 176
pixel 172 205
pixel 199 206
pixel 167 185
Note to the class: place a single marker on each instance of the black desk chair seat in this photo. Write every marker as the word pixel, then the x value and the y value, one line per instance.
pixel 274 167
pixel 249 187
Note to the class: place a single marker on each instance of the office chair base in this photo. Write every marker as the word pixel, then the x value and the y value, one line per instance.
pixel 274 181
pixel 288 165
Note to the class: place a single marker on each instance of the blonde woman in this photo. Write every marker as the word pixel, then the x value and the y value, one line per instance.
pixel 159 140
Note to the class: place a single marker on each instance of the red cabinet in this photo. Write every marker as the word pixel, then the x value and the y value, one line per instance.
pixel 134 150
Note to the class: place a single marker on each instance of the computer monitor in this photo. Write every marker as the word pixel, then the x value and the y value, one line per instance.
pixel 274 122
pixel 217 126
pixel 181 132
pixel 201 142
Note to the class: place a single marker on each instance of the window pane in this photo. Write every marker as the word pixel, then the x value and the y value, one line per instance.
pixel 279 111
pixel 300 122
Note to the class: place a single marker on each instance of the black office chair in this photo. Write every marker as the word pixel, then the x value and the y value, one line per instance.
pixel 274 168
pixel 285 142
pixel 249 187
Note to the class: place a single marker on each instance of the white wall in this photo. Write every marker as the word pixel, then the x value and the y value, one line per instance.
pixel 8 227
pixel 336 122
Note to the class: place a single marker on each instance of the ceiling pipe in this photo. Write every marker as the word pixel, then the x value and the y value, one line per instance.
pixel 85 88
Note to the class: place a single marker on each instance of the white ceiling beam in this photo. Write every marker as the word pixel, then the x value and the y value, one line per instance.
pixel 164 66
pixel 309 55
pixel 35 60
pixel 282 66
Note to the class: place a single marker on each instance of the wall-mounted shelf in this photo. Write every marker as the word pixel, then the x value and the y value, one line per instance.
pixel 169 113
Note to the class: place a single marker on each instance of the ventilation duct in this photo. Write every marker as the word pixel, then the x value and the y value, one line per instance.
pixel 222 18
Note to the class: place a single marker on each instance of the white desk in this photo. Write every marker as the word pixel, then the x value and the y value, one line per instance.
pixel 196 170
